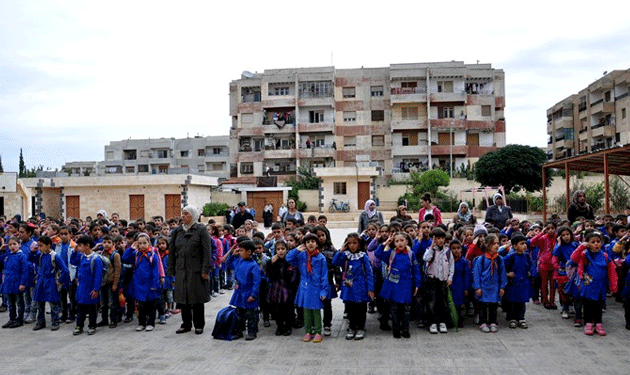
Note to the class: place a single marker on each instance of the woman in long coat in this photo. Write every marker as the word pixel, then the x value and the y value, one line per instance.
pixel 190 263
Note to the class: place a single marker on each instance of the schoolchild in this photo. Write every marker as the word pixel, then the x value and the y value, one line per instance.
pixel 109 289
pixel 314 285
pixel 15 278
pixel 262 259
pixel 89 279
pixel 25 234
pixel 546 241
pixel 246 287
pixel 357 286
pixel 565 246
pixel 283 279
pixel 439 271
pixel 461 280
pixel 334 276
pixel 64 248
pixel 533 252
pixel 518 291
pixel 127 279
pixel 52 273
pixel 489 282
pixel 402 281
pixel 148 276
pixel 165 304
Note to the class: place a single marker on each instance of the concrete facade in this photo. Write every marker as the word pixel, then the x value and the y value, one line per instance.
pixel 595 118
pixel 343 184
pixel 396 117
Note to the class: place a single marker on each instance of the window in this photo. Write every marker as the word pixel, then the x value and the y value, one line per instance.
pixel 378 115
pixel 607 96
pixel 486 110
pixel 216 150
pixel 130 154
pixel 184 154
pixel 247 168
pixel 378 140
pixel 348 92
pixel 247 118
pixel 315 117
pixel 349 116
pixel 162 154
pixel 259 144
pixel 376 91
pixel 279 91
pixel 445 86
pixel 201 152
pixel 163 168
pixel 316 89
pixel 447 112
pixel 623 113
pixel 109 155
pixel 349 141
pixel 410 138
pixel 409 84
pixel 130 169
pixel 409 113
pixel 143 168
pixel 217 167
pixel 339 188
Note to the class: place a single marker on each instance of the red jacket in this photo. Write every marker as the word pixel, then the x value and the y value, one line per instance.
pixel 545 245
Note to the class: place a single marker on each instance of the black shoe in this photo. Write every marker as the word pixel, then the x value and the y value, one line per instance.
pixel 3 308
pixel 129 319
pixel 54 327
pixel 384 326
pixel 182 330
pixel 8 324
pixel 278 332
pixel 287 332
pixel 102 323
pixel 406 334
pixel 396 334
pixel 250 337
pixel 113 325
pixel 198 331
pixel 39 326
pixel 628 326
pixel 17 323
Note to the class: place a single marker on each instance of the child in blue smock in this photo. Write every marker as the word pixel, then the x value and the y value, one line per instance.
pixel 246 287
pixel 25 234
pixel 461 280
pixel 166 300
pixel 334 275
pixel 15 279
pixel 52 274
pixel 148 277
pixel 89 279
pixel 560 256
pixel 489 282
pixel 357 287
pixel 314 285
pixel 598 275
pixel 402 281
pixel 518 291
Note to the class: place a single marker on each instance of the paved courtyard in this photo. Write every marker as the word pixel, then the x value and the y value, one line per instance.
pixel 551 345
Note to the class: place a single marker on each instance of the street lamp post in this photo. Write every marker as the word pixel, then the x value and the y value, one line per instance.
pixel 450 136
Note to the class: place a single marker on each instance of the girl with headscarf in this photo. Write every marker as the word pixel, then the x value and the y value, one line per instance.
pixel 464 216
pixel 369 213
pixel 190 261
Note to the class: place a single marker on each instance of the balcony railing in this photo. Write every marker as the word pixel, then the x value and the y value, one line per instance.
pixel 408 90
pixel 597 102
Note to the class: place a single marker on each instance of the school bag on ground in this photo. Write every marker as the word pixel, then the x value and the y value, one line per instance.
pixel 226 325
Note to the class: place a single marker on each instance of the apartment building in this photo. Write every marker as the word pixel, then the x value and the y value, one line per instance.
pixel 593 119
pixel 196 155
pixel 397 117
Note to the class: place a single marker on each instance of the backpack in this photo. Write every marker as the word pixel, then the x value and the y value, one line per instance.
pixel 226 325
pixel 107 267
pixel 392 255
pixel 55 270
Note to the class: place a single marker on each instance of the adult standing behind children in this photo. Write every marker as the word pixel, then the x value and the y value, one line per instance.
pixel 241 216
pixel 579 207
pixel 189 263
pixel 429 209
pixel 369 214
pixel 498 213
pixel 292 212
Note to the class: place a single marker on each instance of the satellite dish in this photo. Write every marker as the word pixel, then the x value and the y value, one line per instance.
pixel 248 74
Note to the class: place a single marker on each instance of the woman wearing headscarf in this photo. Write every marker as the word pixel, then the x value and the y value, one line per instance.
pixel 370 213
pixel 401 214
pixel 498 213
pixel 463 216
pixel 579 207
pixel 190 250
pixel 268 214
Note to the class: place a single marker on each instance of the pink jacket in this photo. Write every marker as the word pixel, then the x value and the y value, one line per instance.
pixel 545 244
pixel 436 214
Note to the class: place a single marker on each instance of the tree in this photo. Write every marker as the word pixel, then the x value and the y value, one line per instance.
pixel 515 167
pixel 304 180
pixel 22 170
pixel 1 169
pixel 425 182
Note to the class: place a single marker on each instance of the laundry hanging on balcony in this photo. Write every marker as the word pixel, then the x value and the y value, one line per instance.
pixel 281 119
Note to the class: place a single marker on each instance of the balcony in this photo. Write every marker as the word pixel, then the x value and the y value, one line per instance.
pixel 602 107
pixel 320 127
pixel 279 101
pixel 317 152
pixel 399 150
pixel 446 150
pixel 279 154
pixel 409 124
pixel 408 95
pixel 603 130
pixel 455 96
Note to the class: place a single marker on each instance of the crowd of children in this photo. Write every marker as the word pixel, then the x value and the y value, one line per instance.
pixel 437 276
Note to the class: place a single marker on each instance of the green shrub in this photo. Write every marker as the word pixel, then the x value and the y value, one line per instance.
pixel 214 209
pixel 301 206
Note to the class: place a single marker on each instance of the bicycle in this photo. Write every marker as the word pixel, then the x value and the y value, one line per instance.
pixel 337 205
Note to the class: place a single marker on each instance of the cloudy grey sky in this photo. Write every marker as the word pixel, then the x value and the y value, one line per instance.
pixel 75 75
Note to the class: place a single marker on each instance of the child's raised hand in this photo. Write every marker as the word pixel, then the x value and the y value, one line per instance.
pixel 510 274
pixel 478 291
pixel 302 247
pixel 415 292
pixel 274 259
pixel 161 281
pixel 371 295
pixel 22 288
pixel 251 299
pixel 501 292
pixel 94 294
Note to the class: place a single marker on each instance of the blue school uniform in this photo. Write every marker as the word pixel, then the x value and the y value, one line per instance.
pixel 246 282
pixel 89 276
pixel 563 252
pixel 597 268
pixel 419 248
pixel 46 286
pixel 461 281
pixel 357 277
pixel 333 272
pixel 489 279
pixel 313 286
pixel 519 287
pixel 533 256
pixel 146 275
pixel 26 249
pixel 609 250
pixel 15 272
pixel 168 280
pixel 403 276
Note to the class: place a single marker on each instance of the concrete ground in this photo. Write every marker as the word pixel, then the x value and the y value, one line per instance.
pixel 551 345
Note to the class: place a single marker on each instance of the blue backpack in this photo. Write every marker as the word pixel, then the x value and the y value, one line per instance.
pixel 226 325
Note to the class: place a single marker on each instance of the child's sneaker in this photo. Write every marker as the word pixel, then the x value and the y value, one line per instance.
pixel 360 335
pixel 307 337
pixel 536 302
pixel 91 330
pixel 522 324
pixel 564 314
pixel 577 323
pixel 250 337
pixel 351 334
pixel 476 320
pixel 588 329
pixel 77 331
pixel 494 328
pixel 405 334
pixel 162 319
pixel 113 324
pixel 140 328
pixel 29 319
pixel 70 321
pixel 54 327
pixel 512 324
pixel 599 328
pixel 327 331
pixel 443 328
pixel 484 328
pixel 433 329
pixel 317 338
pixel 149 328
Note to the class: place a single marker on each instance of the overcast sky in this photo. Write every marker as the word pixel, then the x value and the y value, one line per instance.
pixel 75 75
